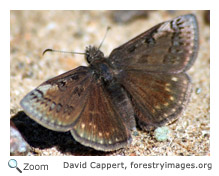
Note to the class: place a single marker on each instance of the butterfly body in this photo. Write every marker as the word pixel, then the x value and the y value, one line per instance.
pixel 141 82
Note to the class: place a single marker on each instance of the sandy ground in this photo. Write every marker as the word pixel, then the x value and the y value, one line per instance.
pixel 34 31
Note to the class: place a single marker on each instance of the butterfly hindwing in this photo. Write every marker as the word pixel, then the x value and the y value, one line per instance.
pixel 101 124
pixel 157 99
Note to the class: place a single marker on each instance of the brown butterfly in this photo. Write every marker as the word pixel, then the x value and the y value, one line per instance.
pixel 142 81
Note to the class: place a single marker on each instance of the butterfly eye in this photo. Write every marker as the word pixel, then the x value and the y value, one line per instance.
pixel 92 53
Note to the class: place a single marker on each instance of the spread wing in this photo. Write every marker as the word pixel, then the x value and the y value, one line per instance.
pixel 58 102
pixel 157 98
pixel 170 46
pixel 100 124
pixel 77 101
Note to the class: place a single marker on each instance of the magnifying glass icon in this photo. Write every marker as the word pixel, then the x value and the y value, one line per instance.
pixel 12 163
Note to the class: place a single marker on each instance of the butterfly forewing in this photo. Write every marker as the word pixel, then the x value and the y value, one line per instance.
pixel 58 102
pixel 171 47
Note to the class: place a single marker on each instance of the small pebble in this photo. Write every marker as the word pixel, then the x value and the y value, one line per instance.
pixel 161 133
pixel 198 90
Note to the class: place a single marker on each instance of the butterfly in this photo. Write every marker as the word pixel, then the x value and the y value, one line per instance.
pixel 143 82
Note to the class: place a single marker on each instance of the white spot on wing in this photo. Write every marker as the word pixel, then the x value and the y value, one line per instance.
pixel 174 79
pixel 82 125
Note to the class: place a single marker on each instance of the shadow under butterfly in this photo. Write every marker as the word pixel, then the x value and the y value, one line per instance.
pixel 143 81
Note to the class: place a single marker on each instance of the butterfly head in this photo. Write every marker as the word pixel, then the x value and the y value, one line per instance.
pixel 92 53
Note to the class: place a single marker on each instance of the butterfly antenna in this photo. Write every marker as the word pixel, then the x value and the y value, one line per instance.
pixel 108 28
pixel 59 51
